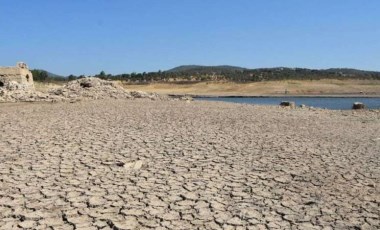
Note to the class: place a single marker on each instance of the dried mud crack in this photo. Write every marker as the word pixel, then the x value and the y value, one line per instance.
pixel 142 164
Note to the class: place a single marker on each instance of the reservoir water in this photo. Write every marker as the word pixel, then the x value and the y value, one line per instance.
pixel 336 103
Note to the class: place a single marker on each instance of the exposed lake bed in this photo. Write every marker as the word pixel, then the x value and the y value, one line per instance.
pixel 185 165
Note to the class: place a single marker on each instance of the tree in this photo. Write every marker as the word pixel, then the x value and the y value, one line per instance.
pixel 102 75
pixel 40 75
pixel 71 77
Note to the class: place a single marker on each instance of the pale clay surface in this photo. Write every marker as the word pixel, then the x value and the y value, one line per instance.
pixel 121 164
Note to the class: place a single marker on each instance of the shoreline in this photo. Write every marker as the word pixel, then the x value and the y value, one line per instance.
pixel 291 88
pixel 275 96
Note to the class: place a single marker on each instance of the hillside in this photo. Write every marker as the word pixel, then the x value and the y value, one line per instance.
pixel 216 80
pixel 206 69
pixel 223 73
pixel 49 74
pixel 40 75
pixel 240 74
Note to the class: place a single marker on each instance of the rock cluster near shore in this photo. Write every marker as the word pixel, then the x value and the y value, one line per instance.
pixel 81 89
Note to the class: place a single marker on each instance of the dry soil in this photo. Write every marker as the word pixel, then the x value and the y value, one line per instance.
pixel 119 164
pixel 292 87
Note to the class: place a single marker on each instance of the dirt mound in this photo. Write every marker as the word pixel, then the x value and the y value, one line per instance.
pixel 81 89
pixel 95 88
pixel 91 88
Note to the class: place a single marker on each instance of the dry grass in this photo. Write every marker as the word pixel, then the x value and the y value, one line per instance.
pixel 294 87
pixel 45 87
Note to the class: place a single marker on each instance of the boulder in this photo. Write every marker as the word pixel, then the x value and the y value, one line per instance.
pixel 358 105
pixel 290 104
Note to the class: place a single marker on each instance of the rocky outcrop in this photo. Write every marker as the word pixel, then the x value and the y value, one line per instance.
pixel 81 89
pixel 95 88
pixel 90 88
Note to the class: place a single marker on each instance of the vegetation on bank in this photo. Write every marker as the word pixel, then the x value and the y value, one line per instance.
pixel 183 74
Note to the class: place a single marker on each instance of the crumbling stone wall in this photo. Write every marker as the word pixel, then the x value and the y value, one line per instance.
pixel 19 73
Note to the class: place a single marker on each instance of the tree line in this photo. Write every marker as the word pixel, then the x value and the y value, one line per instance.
pixel 198 75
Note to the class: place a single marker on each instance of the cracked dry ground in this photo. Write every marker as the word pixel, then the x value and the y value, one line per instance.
pixel 177 165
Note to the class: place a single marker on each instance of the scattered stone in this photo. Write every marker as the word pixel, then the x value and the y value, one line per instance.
pixel 138 165
pixel 133 165
pixel 129 165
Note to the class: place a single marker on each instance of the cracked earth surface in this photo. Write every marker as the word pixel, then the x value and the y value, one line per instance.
pixel 175 165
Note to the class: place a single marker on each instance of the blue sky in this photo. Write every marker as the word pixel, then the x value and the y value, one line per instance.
pixel 123 36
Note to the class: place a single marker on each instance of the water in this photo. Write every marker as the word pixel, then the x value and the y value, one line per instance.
pixel 335 103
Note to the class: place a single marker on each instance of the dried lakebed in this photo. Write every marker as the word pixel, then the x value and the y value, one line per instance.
pixel 139 164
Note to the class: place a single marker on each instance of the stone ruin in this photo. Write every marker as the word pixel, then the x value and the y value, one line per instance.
pixel 16 76
pixel 16 84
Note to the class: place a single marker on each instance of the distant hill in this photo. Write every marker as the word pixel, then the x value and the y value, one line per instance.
pixel 198 73
pixel 50 75
pixel 201 69
pixel 234 73
pixel 43 75
pixel 228 68
pixel 351 71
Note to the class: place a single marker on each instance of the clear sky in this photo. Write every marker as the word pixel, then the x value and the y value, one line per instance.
pixel 122 36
